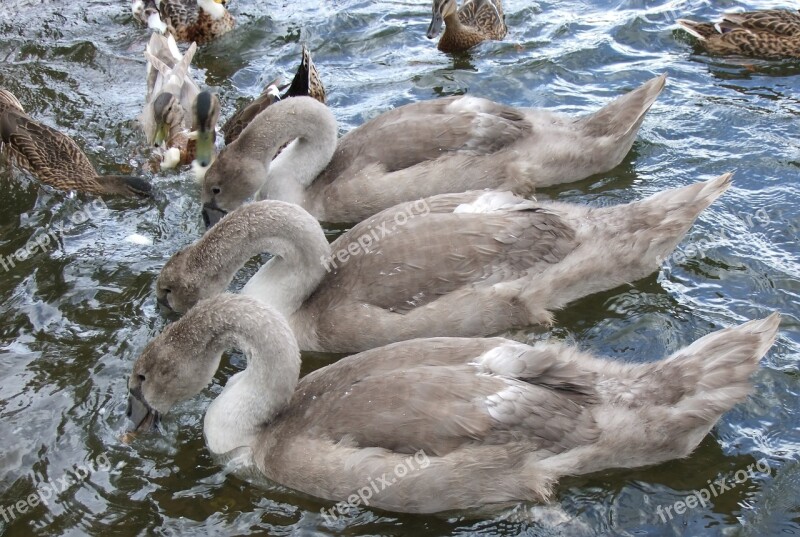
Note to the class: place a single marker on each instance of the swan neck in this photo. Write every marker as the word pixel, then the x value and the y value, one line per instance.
pixel 310 131
pixel 292 236
pixel 251 399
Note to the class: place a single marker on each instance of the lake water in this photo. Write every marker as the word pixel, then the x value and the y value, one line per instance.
pixel 75 315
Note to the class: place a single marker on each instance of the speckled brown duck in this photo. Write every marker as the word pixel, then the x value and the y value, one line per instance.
pixel 54 158
pixel 188 20
pixel 306 82
pixel 474 22
pixel 772 33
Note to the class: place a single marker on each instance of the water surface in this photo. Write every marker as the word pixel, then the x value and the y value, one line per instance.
pixel 76 314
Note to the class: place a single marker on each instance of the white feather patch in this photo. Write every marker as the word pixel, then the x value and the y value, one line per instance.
pixel 495 201
pixel 503 359
pixel 214 10
pixel 154 22
pixel 466 104
pixel 171 159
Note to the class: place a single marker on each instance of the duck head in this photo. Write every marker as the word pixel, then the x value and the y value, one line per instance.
pixel 442 9
pixel 206 114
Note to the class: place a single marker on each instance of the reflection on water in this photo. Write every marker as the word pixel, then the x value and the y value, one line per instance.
pixel 77 312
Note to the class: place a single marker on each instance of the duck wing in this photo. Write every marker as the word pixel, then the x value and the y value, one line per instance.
pixel 50 155
pixel 774 21
pixel 485 15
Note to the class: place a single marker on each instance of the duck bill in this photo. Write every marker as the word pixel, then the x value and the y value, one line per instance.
pixel 142 416
pixel 161 135
pixel 204 148
pixel 212 214
pixel 435 26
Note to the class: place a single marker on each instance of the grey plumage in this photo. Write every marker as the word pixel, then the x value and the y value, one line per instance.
pixel 418 150
pixel 466 264
pixel 489 421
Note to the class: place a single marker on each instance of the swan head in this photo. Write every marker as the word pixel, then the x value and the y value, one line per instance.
pixel 182 283
pixel 442 9
pixel 228 183
pixel 176 365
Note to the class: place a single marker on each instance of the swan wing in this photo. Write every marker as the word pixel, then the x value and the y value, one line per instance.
pixel 443 394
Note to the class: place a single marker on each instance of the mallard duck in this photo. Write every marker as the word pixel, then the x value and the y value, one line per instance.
pixel 198 21
pixel 306 82
pixel 446 423
pixel 172 119
pixel 475 22
pixel 54 158
pixel 468 264
pixel 770 34
pixel 452 144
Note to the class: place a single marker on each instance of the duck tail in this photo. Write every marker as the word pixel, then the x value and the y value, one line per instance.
pixel 712 374
pixel 125 185
pixel 701 30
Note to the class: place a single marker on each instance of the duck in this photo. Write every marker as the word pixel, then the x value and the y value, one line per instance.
pixel 176 119
pixel 306 82
pixel 54 158
pixel 450 144
pixel 437 424
pixel 772 33
pixel 475 22
pixel 199 21
pixel 147 12
pixel 468 264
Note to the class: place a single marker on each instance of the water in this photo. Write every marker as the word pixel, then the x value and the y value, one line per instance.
pixel 76 314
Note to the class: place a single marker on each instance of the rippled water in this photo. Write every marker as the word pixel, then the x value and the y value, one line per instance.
pixel 75 315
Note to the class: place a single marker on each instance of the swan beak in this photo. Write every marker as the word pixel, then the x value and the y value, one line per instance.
pixel 163 303
pixel 435 26
pixel 142 415
pixel 212 214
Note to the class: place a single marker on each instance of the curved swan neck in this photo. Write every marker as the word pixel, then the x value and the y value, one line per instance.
pixel 293 237
pixel 254 396
pixel 310 127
